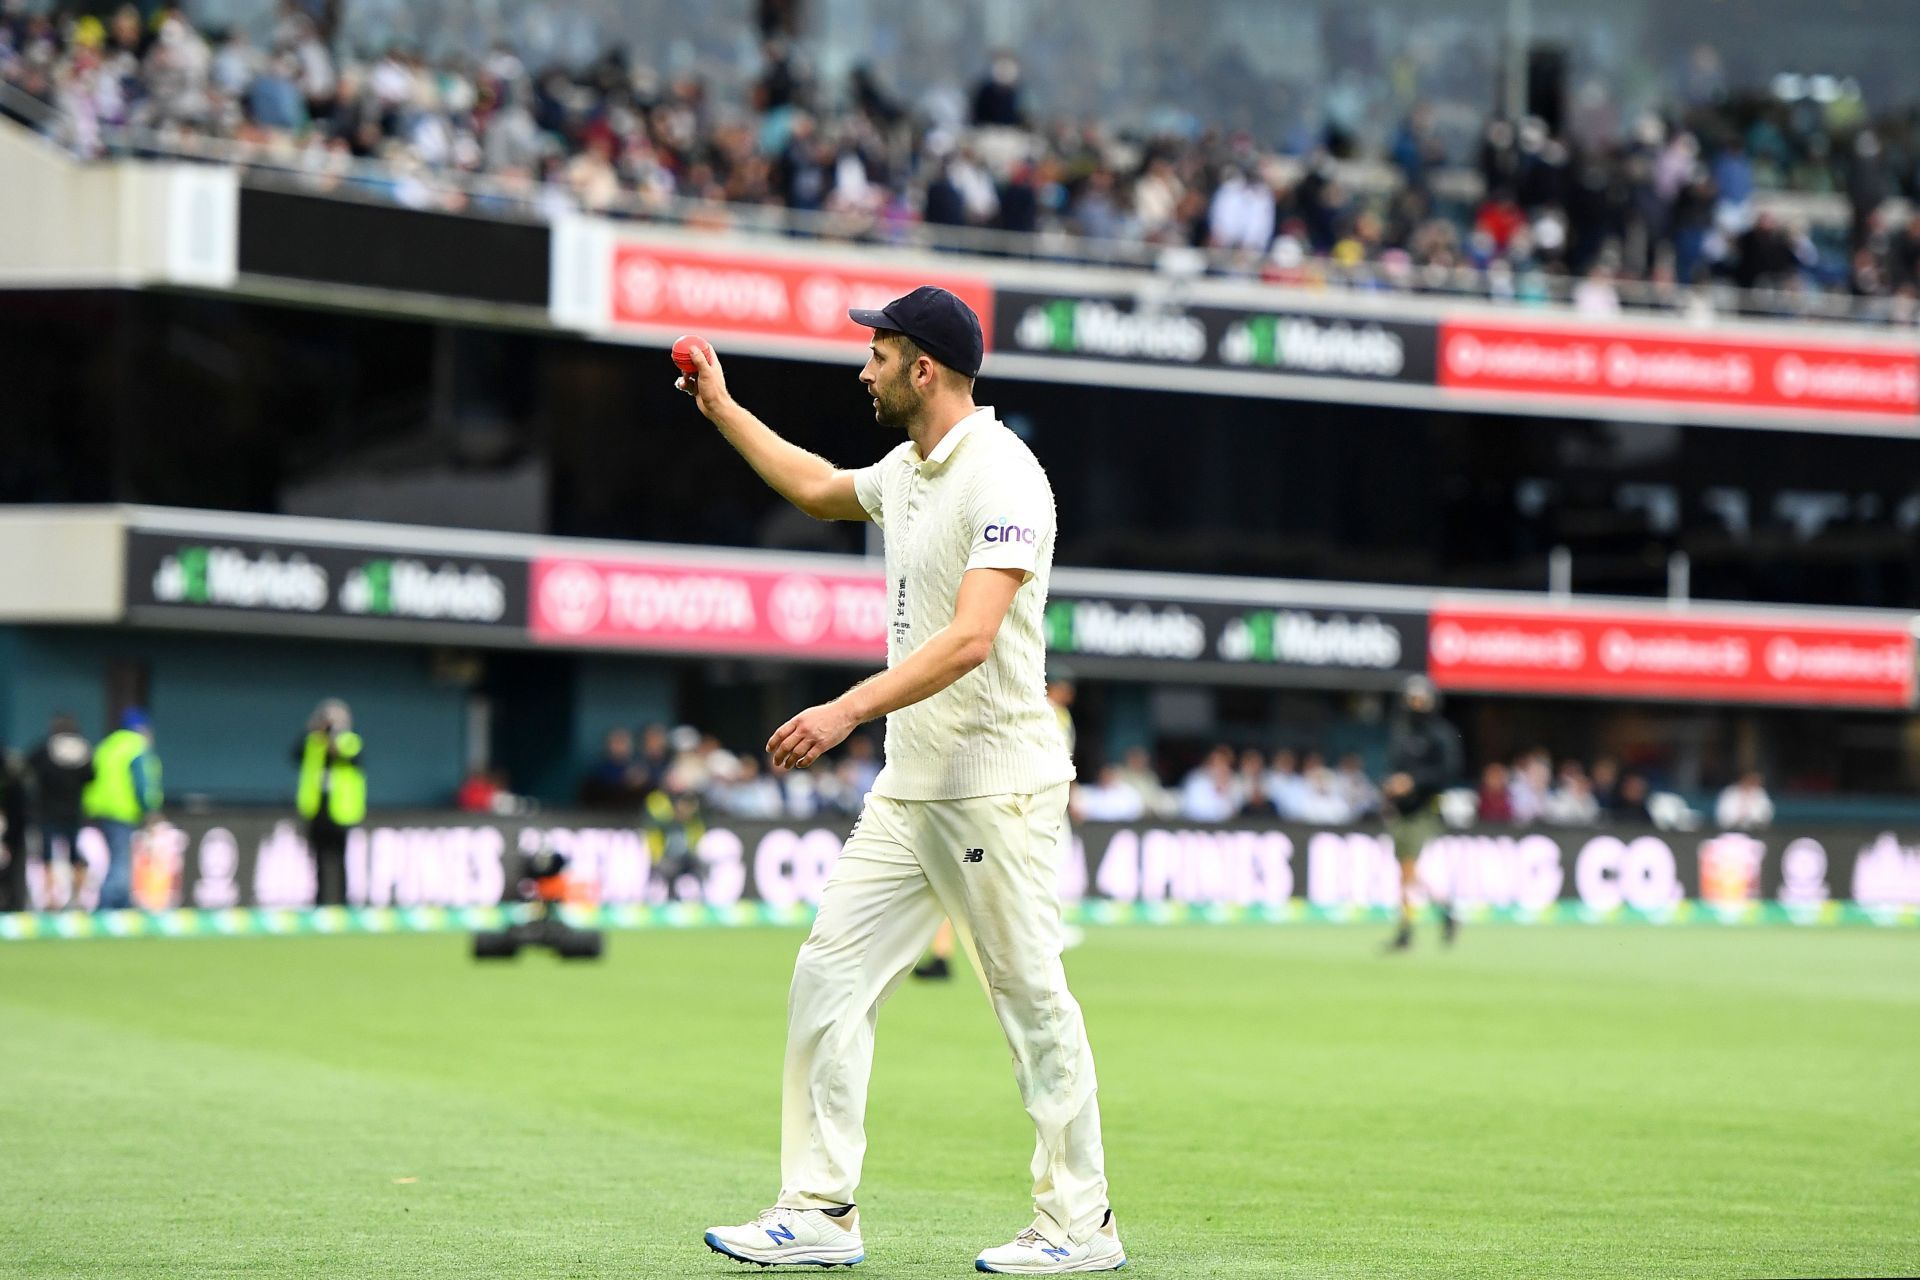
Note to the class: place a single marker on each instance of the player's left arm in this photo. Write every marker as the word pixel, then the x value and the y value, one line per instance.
pixel 979 608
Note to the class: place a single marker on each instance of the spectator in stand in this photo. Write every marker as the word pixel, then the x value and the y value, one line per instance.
pixel 1571 802
pixel 1606 784
pixel 655 756
pixel 1496 795
pixel 331 795
pixel 617 780
pixel 945 205
pixel 691 767
pixel 1500 219
pixel 1321 800
pixel 1772 255
pixel 1211 792
pixel 996 99
pixel 1362 797
pixel 1252 794
pixel 1137 773
pixel 483 791
pixel 1528 785
pixel 857 772
pixel 1020 200
pixel 1242 213
pixel 60 769
pixel 124 793
pixel 1285 786
pixel 1745 805
pixel 803 793
pixel 1632 805
pixel 750 793
pixel 1108 798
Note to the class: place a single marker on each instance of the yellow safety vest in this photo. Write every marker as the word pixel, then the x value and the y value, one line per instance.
pixel 343 781
pixel 112 796
pixel 660 816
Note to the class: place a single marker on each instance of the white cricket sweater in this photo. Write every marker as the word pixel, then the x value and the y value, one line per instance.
pixel 981 501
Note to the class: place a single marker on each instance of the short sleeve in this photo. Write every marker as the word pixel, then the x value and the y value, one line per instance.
pixel 1011 517
pixel 869 486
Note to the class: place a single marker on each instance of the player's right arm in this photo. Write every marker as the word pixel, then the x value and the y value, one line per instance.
pixel 805 479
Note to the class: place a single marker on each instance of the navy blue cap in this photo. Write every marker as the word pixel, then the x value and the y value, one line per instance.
pixel 939 323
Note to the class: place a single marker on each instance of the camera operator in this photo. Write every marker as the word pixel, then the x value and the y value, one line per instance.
pixel 332 795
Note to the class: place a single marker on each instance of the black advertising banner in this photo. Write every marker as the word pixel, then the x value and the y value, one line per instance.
pixel 1285 644
pixel 378 246
pixel 357 588
pixel 1206 336
pixel 255 859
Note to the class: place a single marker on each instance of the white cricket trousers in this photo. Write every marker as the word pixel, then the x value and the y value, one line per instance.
pixel 990 864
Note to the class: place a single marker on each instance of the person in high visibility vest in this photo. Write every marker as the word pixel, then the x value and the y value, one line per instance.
pixel 674 825
pixel 332 795
pixel 125 792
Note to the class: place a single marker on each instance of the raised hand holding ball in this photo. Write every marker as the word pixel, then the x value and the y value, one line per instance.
pixel 701 377
pixel 683 349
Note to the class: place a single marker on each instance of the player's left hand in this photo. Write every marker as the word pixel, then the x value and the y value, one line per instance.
pixel 811 734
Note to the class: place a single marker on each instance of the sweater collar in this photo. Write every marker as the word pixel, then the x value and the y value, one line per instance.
pixel 955 434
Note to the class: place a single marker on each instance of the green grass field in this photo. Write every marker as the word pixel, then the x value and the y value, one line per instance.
pixel 1278 1101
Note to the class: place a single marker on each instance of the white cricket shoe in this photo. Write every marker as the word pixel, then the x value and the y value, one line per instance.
pixel 1032 1254
pixel 793 1238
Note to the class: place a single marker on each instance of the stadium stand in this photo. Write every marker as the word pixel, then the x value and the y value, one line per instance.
pixel 1674 207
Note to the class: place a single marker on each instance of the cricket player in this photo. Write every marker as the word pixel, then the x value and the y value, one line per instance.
pixel 967 818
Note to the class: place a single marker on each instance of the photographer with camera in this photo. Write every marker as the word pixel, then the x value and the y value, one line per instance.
pixel 332 795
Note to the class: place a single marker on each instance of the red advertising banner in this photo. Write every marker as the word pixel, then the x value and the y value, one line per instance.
pixel 734 293
pixel 1624 655
pixel 1653 367
pixel 682 607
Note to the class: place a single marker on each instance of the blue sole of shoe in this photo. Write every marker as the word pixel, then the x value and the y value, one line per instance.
pixel 722 1250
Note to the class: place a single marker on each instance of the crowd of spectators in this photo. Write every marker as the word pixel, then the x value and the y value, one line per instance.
pixel 685 762
pixel 1303 786
pixel 1293 785
pixel 1666 201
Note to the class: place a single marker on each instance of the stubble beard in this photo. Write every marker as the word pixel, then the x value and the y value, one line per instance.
pixel 895 405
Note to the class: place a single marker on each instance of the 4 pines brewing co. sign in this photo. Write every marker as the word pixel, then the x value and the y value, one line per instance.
pixel 176 574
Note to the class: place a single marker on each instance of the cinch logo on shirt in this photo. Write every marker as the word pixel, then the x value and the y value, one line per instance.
pixel 1009 533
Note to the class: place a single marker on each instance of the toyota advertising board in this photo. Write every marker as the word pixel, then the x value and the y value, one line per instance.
pixel 1114 327
pixel 1723 659
pixel 360 588
pixel 1539 358
pixel 720 294
pixel 687 607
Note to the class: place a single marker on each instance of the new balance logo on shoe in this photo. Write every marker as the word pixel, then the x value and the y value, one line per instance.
pixel 777 1234
pixel 1054 1251
pixel 973 855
